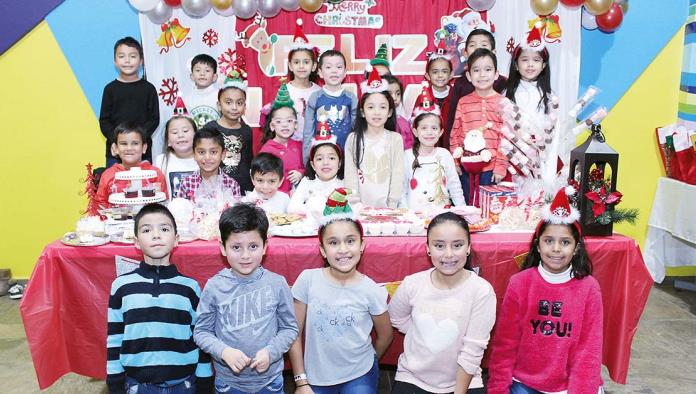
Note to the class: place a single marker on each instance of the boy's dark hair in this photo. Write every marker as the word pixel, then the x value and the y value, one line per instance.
pixel 242 218
pixel 580 264
pixel 329 53
pixel 130 127
pixel 205 59
pixel 264 163
pixel 451 217
pixel 129 42
pixel 309 170
pixel 481 53
pixel 150 209
pixel 481 32
pixel 209 134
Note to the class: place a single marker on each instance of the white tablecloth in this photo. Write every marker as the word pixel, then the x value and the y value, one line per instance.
pixel 671 240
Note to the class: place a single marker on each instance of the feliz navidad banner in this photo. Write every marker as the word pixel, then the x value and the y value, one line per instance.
pixel 410 28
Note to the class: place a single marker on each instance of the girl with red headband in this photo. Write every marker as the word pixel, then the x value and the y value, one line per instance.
pixel 548 338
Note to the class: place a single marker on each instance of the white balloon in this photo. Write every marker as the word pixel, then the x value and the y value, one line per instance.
pixel 589 21
pixel 196 8
pixel 143 5
pixel 229 11
pixel 160 14
pixel 268 8
pixel 290 5
pixel 244 9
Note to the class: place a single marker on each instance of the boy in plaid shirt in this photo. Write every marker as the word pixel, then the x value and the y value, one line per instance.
pixel 208 180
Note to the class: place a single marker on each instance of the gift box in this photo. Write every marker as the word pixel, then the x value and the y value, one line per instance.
pixel 494 198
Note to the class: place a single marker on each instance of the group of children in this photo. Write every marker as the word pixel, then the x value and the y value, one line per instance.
pixel 548 336
pixel 388 158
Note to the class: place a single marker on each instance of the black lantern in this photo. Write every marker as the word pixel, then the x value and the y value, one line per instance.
pixel 589 162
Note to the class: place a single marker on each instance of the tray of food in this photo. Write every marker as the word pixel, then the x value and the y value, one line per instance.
pixel 74 239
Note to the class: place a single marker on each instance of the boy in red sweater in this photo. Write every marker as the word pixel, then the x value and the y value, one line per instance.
pixel 129 147
pixel 548 335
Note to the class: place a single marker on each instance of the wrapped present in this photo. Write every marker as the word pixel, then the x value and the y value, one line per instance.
pixel 495 198
pixel 677 152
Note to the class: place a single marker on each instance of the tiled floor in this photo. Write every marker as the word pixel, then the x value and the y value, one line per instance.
pixel 663 355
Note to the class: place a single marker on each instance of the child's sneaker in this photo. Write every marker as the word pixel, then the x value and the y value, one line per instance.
pixel 16 291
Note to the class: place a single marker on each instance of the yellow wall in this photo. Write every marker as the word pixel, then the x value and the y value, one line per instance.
pixel 49 133
pixel 630 129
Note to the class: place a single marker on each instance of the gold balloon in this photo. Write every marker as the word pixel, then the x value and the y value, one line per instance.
pixel 543 7
pixel 598 7
pixel 311 5
pixel 221 4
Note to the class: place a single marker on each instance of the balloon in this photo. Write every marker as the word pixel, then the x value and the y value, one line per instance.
pixel 228 11
pixel 160 14
pixel 611 20
pixel 543 7
pixel 268 8
pixel 311 5
pixel 143 5
pixel 221 4
pixel 173 3
pixel 289 5
pixel 624 7
pixel 196 8
pixel 589 21
pixel 572 3
pixel 480 5
pixel 598 7
pixel 244 9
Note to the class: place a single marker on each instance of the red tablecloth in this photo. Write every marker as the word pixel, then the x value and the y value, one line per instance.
pixel 64 306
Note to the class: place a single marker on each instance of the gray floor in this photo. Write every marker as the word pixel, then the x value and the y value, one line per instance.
pixel 663 354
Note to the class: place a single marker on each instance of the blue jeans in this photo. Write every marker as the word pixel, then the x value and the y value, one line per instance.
pixel 188 386
pixel 276 386
pixel 366 384
pixel 519 388
pixel 485 178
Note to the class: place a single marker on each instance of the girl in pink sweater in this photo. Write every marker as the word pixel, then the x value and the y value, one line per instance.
pixel 447 313
pixel 549 335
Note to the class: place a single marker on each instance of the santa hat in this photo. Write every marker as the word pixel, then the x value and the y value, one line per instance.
pixel 338 208
pixel 560 211
pixel 180 107
pixel 534 41
pixel 283 98
pixel 299 40
pixel 236 75
pixel 380 56
pixel 374 83
pixel 425 102
pixel 472 20
pixel 440 52
pixel 323 134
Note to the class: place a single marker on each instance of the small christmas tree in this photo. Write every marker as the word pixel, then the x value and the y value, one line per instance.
pixel 283 97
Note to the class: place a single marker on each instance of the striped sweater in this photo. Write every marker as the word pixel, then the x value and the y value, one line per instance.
pixel 152 312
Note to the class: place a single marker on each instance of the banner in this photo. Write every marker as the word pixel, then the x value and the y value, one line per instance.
pixel 410 28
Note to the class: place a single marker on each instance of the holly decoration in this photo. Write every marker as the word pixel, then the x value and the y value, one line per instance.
pixel 91 192
pixel 601 196
pixel 169 91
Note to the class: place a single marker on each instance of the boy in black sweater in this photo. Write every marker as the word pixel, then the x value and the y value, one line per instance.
pixel 128 97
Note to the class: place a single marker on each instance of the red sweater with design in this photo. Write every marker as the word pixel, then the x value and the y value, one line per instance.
pixel 548 336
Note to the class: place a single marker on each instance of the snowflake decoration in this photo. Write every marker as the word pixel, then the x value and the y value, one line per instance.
pixel 510 47
pixel 210 38
pixel 227 59
pixel 169 90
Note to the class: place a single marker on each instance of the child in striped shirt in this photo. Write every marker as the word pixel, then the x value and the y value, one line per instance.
pixel 152 311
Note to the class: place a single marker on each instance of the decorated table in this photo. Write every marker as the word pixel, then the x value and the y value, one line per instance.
pixel 65 303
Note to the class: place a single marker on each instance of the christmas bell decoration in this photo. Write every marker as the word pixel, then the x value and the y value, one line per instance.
pixel 596 195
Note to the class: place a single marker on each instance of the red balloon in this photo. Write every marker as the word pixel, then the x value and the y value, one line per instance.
pixel 610 20
pixel 572 3
pixel 173 3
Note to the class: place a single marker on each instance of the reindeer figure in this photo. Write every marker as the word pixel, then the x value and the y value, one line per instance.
pixel 256 37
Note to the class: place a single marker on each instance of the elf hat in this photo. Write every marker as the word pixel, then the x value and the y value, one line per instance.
pixel 425 102
pixel 299 40
pixel 560 211
pixel 439 53
pixel 380 57
pixel 323 134
pixel 180 107
pixel 236 75
pixel 283 98
pixel 337 208
pixel 374 83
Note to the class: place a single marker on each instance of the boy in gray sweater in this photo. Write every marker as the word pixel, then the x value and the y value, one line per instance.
pixel 246 318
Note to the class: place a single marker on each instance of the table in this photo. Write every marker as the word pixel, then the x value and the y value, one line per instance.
pixel 671 239
pixel 65 303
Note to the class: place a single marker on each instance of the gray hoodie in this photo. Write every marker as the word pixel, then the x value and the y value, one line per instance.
pixel 247 314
